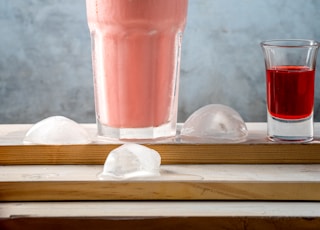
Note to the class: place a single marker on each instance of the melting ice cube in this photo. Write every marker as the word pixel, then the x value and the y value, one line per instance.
pixel 214 123
pixel 57 130
pixel 131 160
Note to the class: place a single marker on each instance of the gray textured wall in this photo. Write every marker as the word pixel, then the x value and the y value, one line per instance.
pixel 45 60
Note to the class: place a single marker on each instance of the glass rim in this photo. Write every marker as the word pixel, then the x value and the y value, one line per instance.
pixel 287 43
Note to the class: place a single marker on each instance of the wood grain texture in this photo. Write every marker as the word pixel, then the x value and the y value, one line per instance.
pixel 160 223
pixel 231 215
pixel 230 191
pixel 41 185
pixel 170 154
pixel 175 182
pixel 242 215
pixel 158 190
pixel 255 150
pixel 145 209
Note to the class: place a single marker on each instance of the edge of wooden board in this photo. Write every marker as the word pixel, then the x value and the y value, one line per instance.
pixel 170 153
pixel 158 190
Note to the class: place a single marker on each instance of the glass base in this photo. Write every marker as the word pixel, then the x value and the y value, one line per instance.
pixel 163 131
pixel 290 130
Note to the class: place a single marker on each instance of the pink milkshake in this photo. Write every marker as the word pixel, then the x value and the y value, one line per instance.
pixel 136 63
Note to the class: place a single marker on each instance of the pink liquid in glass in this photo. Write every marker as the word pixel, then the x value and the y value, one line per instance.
pixel 136 60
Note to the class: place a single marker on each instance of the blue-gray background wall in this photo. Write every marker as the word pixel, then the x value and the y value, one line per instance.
pixel 45 60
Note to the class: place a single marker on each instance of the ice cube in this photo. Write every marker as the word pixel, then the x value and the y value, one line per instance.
pixel 214 123
pixel 131 160
pixel 57 130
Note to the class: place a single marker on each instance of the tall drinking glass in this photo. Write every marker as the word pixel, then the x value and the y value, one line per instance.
pixel 290 76
pixel 136 48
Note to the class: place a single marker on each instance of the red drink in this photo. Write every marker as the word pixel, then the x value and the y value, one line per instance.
pixel 290 91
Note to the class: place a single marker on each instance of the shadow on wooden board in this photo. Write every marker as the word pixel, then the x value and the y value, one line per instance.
pixel 155 223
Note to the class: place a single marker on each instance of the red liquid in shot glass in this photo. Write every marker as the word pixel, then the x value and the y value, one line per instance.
pixel 290 91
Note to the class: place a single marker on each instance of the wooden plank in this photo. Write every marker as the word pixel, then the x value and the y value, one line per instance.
pixel 180 182
pixel 255 150
pixel 160 215
pixel 160 223
pixel 170 154
pixel 158 190
pixel 138 209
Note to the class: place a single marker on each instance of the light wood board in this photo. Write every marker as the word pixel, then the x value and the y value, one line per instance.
pixel 255 150
pixel 177 182
pixel 138 209
pixel 160 215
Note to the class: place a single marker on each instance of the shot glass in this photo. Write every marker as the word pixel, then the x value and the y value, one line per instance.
pixel 136 47
pixel 290 75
